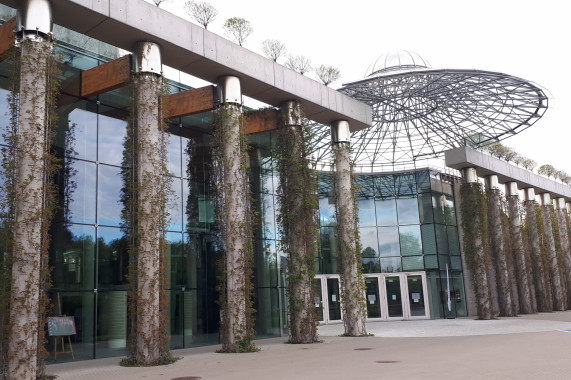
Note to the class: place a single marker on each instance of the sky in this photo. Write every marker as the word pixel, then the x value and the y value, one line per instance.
pixel 526 39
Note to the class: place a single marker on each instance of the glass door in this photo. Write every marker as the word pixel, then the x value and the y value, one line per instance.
pixel 333 299
pixel 394 297
pixel 416 296
pixel 373 298
pixel 318 300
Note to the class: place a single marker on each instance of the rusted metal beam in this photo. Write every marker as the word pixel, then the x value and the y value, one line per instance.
pixel 7 36
pixel 188 102
pixel 106 77
pixel 261 121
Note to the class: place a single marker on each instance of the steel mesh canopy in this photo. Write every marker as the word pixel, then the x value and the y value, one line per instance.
pixel 420 112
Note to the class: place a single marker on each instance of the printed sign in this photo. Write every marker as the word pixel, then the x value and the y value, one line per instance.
pixel 61 326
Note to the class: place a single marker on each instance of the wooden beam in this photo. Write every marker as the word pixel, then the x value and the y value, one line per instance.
pixel 188 102
pixel 106 77
pixel 7 36
pixel 261 121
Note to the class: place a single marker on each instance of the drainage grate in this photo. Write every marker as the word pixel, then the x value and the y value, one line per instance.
pixel 363 349
pixel 386 361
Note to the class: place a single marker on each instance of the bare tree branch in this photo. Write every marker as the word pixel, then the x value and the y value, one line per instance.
pixel 238 29
pixel 273 49
pixel 299 63
pixel 202 12
pixel 327 74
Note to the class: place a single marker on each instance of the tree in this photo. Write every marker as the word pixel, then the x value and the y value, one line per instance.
pixel 159 2
pixel 273 49
pixel 238 29
pixel 327 74
pixel 202 12
pixel 546 170
pixel 528 163
pixel 299 63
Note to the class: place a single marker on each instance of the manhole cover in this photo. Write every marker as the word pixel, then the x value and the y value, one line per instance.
pixel 386 361
pixel 363 349
pixel 187 378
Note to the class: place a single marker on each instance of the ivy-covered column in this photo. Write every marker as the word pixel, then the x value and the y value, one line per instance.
pixel 150 340
pixel 475 240
pixel 560 211
pixel 557 285
pixel 526 306
pixel 297 219
pixel 352 280
pixel 234 218
pixel 535 236
pixel 499 247
pixel 31 212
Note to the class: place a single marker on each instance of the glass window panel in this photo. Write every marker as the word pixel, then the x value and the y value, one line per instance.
pixel 109 195
pixel 196 154
pixel 267 224
pixel 265 267
pixel 456 262
pixel 174 151
pixel 453 242
pixel 422 181
pixel 410 240
pixel 327 211
pixel 329 250
pixel 72 257
pixel 372 297
pixel 365 186
pixel 416 296
pixel 79 191
pixel 369 244
pixel 175 328
pixel 201 317
pixel 367 212
pixel 112 258
pixel 425 208
pixel 198 207
pixel 449 211
pixel 385 185
pixel 262 171
pixel 435 183
pixel 407 210
pixel 112 134
pixel 120 99
pixel 411 263
pixel 428 239
pixel 386 212
pixel 176 257
pixel 441 239
pixel 443 260
pixel 371 265
pixel 447 188
pixel 438 206
pixel 111 324
pixel 267 308
pixel 431 261
pixel 175 207
pixel 405 184
pixel 389 241
pixel 390 264
pixel 80 138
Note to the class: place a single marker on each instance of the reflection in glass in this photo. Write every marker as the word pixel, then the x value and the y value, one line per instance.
pixel 407 210
pixel 327 211
pixel 411 263
pixel 109 195
pixel 394 297
pixel 113 258
pixel 371 265
pixel 174 151
pixel 441 239
pixel 410 240
pixel 391 264
pixel 328 249
pixel 265 266
pixel 267 225
pixel 425 208
pixel 80 186
pixel 267 318
pixel 369 244
pixel 175 206
pixel 112 133
pixel 389 241
pixel 386 212
pixel 81 140
pixel 405 184
pixel 428 239
pixel 453 241
pixel 72 256
pixel 367 212
pixel 111 324
pixel 422 181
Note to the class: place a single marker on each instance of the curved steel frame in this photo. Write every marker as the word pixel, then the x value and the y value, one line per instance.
pixel 420 114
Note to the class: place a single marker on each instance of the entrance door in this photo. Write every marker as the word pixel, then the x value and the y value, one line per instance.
pixel 327 298
pixel 373 298
pixel 416 296
pixel 394 297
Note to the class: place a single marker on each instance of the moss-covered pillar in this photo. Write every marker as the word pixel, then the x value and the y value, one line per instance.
pixel 147 83
pixel 297 216
pixel 499 247
pixel 534 229
pixel 232 209
pixel 34 27
pixel 352 280
pixel 560 211
pixel 522 275
pixel 475 240
pixel 557 284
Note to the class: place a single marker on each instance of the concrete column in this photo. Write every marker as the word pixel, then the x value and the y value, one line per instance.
pixel 540 274
pixel 560 211
pixel 149 171
pixel 300 240
pixel 526 306
pixel 480 276
pixel 557 284
pixel 352 281
pixel 34 25
pixel 232 190
pixel 496 227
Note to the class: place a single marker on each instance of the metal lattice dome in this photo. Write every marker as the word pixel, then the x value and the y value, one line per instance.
pixel 420 112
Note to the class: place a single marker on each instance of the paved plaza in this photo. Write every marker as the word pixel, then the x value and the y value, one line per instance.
pixel 526 347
